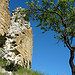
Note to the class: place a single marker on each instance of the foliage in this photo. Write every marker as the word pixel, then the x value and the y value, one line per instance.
pixel 3 62
pixel 12 67
pixel 55 16
pixel 23 71
pixel 0 73
pixel 16 69
pixel 3 73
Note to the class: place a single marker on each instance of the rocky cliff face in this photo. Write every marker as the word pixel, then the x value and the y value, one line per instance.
pixel 18 44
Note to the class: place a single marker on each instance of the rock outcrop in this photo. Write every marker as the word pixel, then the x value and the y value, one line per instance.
pixel 18 38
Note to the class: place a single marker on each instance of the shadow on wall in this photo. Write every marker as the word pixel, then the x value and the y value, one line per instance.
pixel 2 41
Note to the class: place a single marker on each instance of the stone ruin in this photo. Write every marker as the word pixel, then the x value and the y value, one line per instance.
pixel 16 41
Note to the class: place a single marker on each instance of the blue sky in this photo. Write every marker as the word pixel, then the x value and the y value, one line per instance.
pixel 48 55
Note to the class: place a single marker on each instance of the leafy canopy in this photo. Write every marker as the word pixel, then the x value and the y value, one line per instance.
pixel 54 15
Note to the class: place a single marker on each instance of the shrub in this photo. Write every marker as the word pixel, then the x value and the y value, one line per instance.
pixel 3 62
pixel 23 71
pixel 17 69
pixel 12 67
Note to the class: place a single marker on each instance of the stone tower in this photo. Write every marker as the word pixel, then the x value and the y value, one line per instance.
pixel 18 45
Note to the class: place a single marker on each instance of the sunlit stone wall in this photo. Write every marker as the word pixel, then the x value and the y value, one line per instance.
pixel 16 39
pixel 4 17
pixel 19 43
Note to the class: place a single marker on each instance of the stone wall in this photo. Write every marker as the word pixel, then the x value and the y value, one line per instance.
pixel 24 41
pixel 16 39
pixel 4 17
pixel 19 43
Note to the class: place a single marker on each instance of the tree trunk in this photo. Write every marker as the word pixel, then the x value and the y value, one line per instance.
pixel 71 62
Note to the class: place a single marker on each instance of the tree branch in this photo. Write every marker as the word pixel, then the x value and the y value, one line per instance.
pixel 67 43
pixel 43 11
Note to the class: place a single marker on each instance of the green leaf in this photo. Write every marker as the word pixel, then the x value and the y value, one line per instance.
pixel 61 17
pixel 43 0
pixel 26 3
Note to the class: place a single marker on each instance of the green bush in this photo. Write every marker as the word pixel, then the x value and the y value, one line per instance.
pixel 23 71
pixel 12 67
pixel 0 73
pixel 17 69
pixel 3 62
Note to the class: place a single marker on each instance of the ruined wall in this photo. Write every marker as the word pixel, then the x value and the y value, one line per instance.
pixel 16 36
pixel 24 40
pixel 4 17
pixel 19 43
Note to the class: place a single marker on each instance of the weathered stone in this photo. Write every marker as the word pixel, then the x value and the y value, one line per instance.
pixel 20 46
pixel 4 17
pixel 18 43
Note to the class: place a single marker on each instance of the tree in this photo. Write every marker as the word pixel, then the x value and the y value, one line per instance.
pixel 56 16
